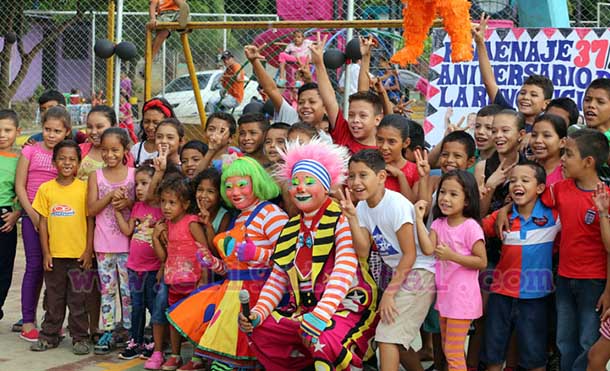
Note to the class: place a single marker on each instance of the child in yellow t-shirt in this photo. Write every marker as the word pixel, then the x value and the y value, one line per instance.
pixel 66 237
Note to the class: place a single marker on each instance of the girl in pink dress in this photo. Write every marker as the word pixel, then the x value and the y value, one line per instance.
pixel 456 239
pixel 185 239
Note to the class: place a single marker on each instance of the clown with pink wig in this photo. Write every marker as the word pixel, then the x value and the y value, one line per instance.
pixel 318 306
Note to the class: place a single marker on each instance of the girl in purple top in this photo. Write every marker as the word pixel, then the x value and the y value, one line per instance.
pixel 456 239
pixel 111 188
pixel 35 167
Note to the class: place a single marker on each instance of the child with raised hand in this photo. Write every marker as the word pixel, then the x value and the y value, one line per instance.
pixel 185 236
pixel 387 217
pixel 508 131
pixel 547 141
pixel 219 132
pixel 535 94
pixel 168 138
pixel 483 131
pixel 153 112
pixel 191 156
pixel 142 263
pixel 10 211
pixel 364 114
pixel 310 108
pixel 35 166
pixel 392 139
pixel 582 294
pixel 251 129
pixel 66 237
pixel 457 153
pixel 215 218
pixel 457 241
pixel 527 252
pixel 112 188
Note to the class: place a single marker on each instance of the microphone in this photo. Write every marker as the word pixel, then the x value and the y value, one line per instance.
pixel 244 299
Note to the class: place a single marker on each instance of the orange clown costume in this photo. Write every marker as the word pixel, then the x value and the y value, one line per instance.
pixel 207 318
pixel 418 17
pixel 318 306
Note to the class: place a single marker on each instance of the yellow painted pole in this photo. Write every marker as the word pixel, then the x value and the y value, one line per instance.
pixel 110 61
pixel 389 23
pixel 148 66
pixel 193 74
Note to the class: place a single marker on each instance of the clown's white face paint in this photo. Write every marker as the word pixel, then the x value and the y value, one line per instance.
pixel 307 193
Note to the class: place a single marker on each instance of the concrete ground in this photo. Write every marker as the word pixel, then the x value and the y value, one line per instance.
pixel 15 354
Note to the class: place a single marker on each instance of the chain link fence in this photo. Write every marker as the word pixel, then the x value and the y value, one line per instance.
pixel 55 39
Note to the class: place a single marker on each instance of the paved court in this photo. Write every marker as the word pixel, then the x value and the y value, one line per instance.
pixel 15 354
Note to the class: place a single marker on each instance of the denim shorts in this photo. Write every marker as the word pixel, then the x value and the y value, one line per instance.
pixel 161 305
pixel 528 317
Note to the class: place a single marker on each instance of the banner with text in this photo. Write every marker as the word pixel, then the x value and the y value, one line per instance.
pixel 570 57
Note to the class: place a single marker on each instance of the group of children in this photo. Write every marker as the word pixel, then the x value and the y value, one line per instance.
pixel 515 228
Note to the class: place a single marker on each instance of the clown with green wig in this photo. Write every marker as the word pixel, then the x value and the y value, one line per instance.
pixel 208 318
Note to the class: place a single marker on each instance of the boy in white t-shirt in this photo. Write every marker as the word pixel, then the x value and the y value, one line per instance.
pixel 387 218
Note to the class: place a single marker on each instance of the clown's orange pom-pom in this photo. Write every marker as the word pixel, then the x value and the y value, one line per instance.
pixel 418 16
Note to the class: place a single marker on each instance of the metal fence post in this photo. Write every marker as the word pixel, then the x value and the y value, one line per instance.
pixel 349 36
pixel 117 67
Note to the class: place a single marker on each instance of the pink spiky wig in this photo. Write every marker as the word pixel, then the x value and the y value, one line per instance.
pixel 316 154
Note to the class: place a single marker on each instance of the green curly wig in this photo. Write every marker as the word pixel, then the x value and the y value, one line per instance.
pixel 264 186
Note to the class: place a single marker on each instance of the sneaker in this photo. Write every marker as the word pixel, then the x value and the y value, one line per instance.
pixel 154 362
pixel 81 348
pixel 41 345
pixel 17 326
pixel 105 344
pixel 281 83
pixel 121 337
pixel 191 365
pixel 183 14
pixel 172 364
pixel 132 350
pixel 147 350
pixel 31 336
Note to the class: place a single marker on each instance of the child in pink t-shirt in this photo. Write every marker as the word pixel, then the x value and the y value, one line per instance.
pixel 111 188
pixel 296 52
pixel 142 263
pixel 457 240
pixel 35 166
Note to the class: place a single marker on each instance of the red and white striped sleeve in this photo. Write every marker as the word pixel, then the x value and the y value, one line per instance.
pixel 272 292
pixel 342 275
pixel 264 231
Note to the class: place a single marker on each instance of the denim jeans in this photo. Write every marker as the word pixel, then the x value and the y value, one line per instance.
pixel 577 320
pixel 143 289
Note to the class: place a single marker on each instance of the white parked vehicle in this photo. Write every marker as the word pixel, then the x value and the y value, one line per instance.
pixel 179 92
